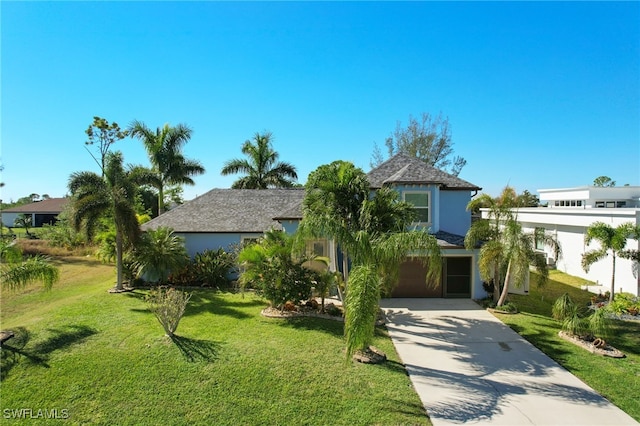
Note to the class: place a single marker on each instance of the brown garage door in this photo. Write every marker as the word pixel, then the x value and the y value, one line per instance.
pixel 412 282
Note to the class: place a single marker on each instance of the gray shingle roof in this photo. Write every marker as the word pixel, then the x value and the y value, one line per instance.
pixel 48 206
pixel 402 168
pixel 230 210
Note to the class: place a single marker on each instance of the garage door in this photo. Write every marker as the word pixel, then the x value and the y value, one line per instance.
pixel 412 282
pixel 456 279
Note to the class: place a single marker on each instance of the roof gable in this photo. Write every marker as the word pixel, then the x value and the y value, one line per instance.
pixel 403 168
pixel 230 211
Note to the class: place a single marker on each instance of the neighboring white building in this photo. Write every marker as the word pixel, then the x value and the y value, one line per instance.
pixel 570 212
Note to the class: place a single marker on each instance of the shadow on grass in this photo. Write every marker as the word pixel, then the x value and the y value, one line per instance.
pixel 207 301
pixel 61 338
pixel 195 350
pixel 335 328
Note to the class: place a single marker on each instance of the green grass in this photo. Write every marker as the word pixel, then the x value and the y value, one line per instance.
pixel 618 380
pixel 104 359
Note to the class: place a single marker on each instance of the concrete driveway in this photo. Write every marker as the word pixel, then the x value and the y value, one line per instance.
pixel 468 367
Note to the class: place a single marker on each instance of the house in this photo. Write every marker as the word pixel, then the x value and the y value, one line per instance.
pixel 569 212
pixel 222 218
pixel 41 212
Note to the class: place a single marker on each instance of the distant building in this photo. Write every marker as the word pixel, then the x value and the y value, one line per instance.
pixel 41 212
pixel 569 213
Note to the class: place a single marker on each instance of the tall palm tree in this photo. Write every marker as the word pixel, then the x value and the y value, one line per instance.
pixel 506 250
pixel 612 241
pixel 261 167
pixel 164 148
pixel 95 197
pixel 16 272
pixel 373 230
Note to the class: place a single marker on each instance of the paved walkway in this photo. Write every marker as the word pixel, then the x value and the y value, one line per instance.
pixel 468 367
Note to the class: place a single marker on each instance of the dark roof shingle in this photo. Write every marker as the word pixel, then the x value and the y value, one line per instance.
pixel 230 211
pixel 48 206
pixel 402 168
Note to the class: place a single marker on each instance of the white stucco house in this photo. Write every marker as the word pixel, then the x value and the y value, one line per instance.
pixel 569 212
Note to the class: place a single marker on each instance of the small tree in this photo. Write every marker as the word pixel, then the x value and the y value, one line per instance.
pixel 604 181
pixel 168 305
pixel 612 241
pixel 23 221
pixel 428 139
pixel 103 134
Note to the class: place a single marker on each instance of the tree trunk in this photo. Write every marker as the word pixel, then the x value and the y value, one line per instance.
pixel 345 273
pixel 496 283
pixel 613 278
pixel 505 288
pixel 118 260
pixel 160 200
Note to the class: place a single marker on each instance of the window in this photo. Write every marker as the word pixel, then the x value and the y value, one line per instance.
pixel 600 204
pixel 611 204
pixel 620 204
pixel 317 248
pixel 420 201
pixel 539 236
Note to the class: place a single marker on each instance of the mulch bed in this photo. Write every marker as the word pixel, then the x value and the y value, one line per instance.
pixel 606 350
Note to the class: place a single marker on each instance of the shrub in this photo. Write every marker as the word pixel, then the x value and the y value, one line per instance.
pixel 624 303
pixel 158 253
pixel 212 267
pixel 269 267
pixel 168 305
pixel 599 323
pixel 562 307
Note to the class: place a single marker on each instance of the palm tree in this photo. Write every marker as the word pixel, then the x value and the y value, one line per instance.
pixel 506 252
pixel 373 230
pixel 16 272
pixel 262 168
pixel 95 197
pixel 164 148
pixel 612 241
pixel 159 253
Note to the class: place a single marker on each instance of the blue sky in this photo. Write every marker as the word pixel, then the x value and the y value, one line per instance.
pixel 538 95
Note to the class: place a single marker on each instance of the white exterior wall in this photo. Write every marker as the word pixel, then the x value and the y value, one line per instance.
pixel 8 219
pixel 569 227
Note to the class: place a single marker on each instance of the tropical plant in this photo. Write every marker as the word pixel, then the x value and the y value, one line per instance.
pixel 113 195
pixel 158 253
pixel 23 221
pixel 168 164
pixel 17 272
pixel 373 230
pixel 506 251
pixel 261 167
pixel 212 267
pixel 562 307
pixel 613 241
pixel 270 267
pixel 168 305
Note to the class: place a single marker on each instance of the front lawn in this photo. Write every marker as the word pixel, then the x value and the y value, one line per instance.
pixel 104 360
pixel 618 380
